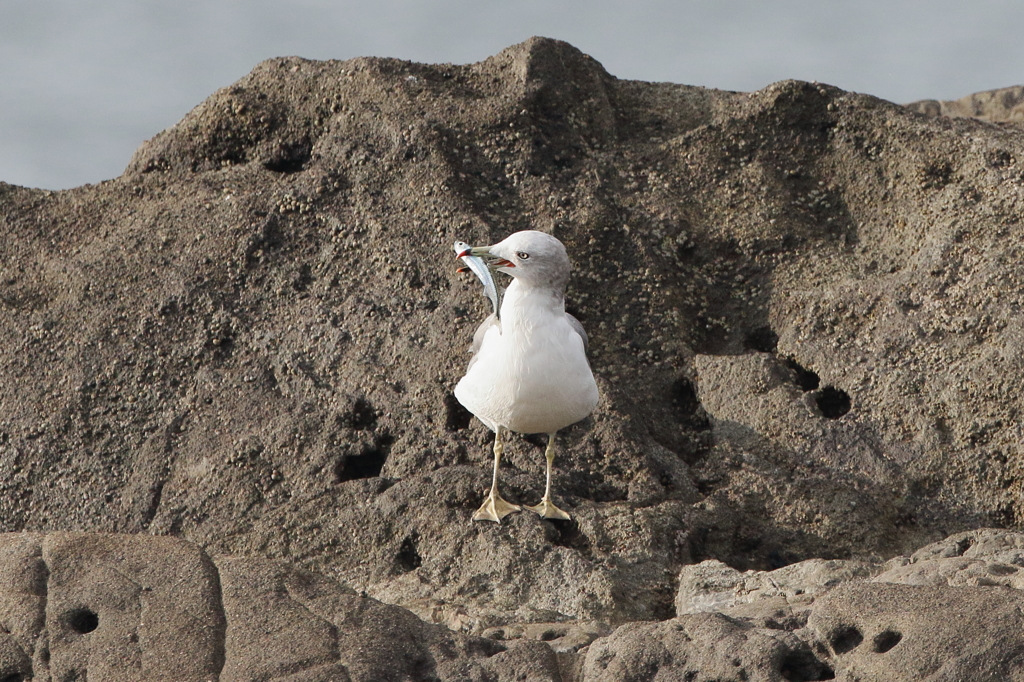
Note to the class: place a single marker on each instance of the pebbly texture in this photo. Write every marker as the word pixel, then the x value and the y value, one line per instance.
pixel 803 307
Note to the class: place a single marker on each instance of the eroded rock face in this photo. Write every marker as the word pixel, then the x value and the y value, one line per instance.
pixel 714 586
pixel 81 606
pixel 707 646
pixel 950 610
pixel 144 608
pixel 903 632
pixel 803 307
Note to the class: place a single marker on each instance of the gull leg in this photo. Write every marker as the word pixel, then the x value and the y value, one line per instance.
pixel 547 508
pixel 494 507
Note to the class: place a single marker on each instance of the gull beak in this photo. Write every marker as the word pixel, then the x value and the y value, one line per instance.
pixel 491 259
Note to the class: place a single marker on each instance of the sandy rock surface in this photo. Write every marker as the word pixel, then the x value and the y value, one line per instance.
pixel 139 607
pixel 803 307
pixel 136 607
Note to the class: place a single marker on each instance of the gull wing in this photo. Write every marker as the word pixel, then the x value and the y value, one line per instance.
pixel 478 336
pixel 578 328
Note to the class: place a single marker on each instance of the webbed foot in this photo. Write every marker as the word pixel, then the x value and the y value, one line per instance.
pixel 495 509
pixel 548 510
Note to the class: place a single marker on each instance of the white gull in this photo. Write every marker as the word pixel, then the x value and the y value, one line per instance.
pixel 529 371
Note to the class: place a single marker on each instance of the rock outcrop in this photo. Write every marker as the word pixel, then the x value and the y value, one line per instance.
pixel 1005 105
pixel 136 607
pixel 803 307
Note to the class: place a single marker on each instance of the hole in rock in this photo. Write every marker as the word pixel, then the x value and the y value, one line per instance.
pixel 777 558
pixel 999 158
pixel 361 417
pixel 846 639
pixel 13 677
pixel 423 669
pixel 936 175
pixel 302 278
pixel 833 402
pixel 805 378
pixel 549 635
pixel 762 339
pixel 456 417
pixel 408 558
pixel 686 405
pixel 962 546
pixel 569 535
pixel 884 641
pixel 366 464
pixel 291 158
pixel 83 621
pixel 802 666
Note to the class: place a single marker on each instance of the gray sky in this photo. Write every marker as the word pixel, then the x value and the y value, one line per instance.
pixel 84 83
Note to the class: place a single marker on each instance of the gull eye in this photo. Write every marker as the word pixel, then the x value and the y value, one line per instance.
pixel 522 255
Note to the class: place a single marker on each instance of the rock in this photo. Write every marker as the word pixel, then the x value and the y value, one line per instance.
pixel 131 607
pixel 904 632
pixel 713 586
pixel 142 608
pixel 1002 105
pixel 984 557
pixel 707 646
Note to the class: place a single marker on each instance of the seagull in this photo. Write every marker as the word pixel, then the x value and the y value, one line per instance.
pixel 529 371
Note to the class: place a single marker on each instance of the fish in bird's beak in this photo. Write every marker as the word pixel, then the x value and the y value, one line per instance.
pixel 478 265
pixel 491 259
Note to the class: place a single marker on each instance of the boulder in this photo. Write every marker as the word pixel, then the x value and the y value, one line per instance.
pixel 144 608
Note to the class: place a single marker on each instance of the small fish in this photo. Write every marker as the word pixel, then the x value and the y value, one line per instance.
pixel 483 273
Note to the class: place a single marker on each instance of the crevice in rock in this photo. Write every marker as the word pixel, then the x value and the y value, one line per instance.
pixel 762 340
pixel 368 463
pixel 156 494
pixel 408 558
pixel 221 626
pixel 802 666
pixel 885 641
pixel 806 379
pixel 833 402
pixel 686 406
pixel 846 639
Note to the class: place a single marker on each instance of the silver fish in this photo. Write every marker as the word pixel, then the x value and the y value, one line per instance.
pixel 483 273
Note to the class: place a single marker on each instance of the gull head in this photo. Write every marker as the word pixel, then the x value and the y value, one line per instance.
pixel 531 257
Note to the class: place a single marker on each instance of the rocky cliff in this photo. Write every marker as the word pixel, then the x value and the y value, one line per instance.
pixel 803 307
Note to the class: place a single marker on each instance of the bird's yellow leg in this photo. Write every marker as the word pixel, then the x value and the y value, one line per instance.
pixel 547 508
pixel 494 507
